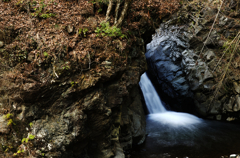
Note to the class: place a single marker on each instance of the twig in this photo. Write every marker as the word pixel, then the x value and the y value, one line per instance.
pixel 225 52
pixel 224 74
pixel 204 43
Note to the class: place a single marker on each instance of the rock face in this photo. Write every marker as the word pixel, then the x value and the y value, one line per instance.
pixel 187 66
pixel 165 60
pixel 96 115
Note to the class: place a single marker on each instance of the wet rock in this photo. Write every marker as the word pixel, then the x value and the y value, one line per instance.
pixel 219 117
pixel 201 108
pixel 200 97
pixel 164 58
pixel 236 106
pixel 216 107
pixel 229 105
pixel 234 156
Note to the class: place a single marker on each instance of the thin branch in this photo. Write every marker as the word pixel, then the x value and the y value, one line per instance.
pixel 204 43
pixel 224 74
pixel 225 51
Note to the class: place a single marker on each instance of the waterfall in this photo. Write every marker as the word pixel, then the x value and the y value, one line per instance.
pixel 157 110
pixel 151 97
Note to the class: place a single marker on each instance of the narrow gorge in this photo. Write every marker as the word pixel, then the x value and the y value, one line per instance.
pixel 70 79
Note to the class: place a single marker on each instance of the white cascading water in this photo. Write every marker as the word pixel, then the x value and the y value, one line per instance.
pixel 158 111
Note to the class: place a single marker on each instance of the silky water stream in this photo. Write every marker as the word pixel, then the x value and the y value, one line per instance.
pixel 175 134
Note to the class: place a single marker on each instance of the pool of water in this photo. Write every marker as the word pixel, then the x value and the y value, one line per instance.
pixel 204 139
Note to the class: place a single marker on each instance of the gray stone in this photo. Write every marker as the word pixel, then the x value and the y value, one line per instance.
pixel 208 85
pixel 107 153
pixel 201 108
pixel 4 128
pixel 69 28
pixel 229 105
pixel 1 44
pixel 234 156
pixel 223 20
pixel 236 107
pixel 119 151
pixel 216 108
pixel 212 64
pixel 236 87
pixel 209 55
pixel 200 97
pixel 219 117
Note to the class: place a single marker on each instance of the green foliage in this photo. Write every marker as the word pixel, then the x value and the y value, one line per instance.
pixel 45 16
pixel 18 152
pixel 96 1
pixel 80 31
pixel 45 54
pixel 99 10
pixel 30 124
pixel 31 136
pixel 8 116
pixel 84 31
pixel 73 83
pixel 66 67
pixel 24 140
pixel 10 122
pixel 107 30
pixel 39 11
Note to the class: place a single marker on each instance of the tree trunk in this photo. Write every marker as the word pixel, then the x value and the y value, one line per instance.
pixel 109 10
pixel 116 11
pixel 124 12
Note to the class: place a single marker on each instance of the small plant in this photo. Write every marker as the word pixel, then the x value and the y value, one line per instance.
pixel 107 30
pixel 73 83
pixel 30 137
pixel 85 30
pixel 18 153
pixel 45 16
pixel 30 124
pixel 80 31
pixel 45 54
pixel 8 117
pixel 39 11
pixel 10 122
pixel 66 67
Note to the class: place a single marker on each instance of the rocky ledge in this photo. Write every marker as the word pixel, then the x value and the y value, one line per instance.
pixel 189 64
